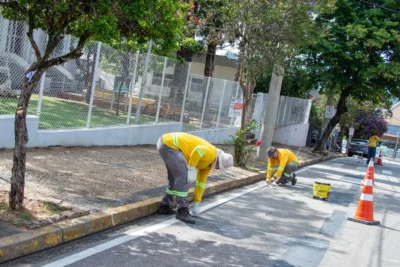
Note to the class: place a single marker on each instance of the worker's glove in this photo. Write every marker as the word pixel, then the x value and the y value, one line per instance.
pixel 270 181
pixel 195 210
pixel 191 174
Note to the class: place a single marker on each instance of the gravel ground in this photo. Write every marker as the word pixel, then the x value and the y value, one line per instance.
pixel 97 177
pixel 94 177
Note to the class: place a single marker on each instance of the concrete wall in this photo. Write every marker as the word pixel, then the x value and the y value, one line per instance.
pixel 7 139
pixel 110 136
pixel 216 136
pixel 293 135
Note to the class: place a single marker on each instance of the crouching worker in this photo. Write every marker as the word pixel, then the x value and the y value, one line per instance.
pixel 287 163
pixel 188 158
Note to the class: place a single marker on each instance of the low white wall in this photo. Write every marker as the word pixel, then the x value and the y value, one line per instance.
pixel 292 135
pixel 7 139
pixel 216 136
pixel 107 136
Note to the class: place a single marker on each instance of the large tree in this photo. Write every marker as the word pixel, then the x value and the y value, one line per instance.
pixel 357 55
pixel 269 32
pixel 104 20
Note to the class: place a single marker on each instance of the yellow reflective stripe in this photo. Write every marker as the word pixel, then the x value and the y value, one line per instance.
pixel 177 193
pixel 280 168
pixel 202 185
pixel 170 192
pixel 181 194
pixel 296 160
pixel 200 151
pixel 176 142
pixel 286 174
pixel 270 169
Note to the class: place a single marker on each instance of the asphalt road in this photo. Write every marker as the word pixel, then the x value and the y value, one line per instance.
pixel 257 225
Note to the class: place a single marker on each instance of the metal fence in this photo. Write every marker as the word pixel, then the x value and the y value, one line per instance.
pixel 109 87
pixel 291 110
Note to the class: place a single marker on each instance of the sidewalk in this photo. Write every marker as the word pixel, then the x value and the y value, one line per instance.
pixel 99 179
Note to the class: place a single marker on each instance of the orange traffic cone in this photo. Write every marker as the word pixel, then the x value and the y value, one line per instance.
pixel 365 209
pixel 380 159
pixel 370 172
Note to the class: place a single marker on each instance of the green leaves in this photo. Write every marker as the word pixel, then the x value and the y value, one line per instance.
pixel 358 50
pixel 102 20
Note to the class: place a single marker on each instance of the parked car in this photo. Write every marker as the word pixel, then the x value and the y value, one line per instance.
pixel 358 145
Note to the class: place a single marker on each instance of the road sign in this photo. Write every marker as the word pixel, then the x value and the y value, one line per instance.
pixel 330 111
pixel 351 131
pixel 235 110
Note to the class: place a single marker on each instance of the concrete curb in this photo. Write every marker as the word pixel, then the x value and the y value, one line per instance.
pixel 29 242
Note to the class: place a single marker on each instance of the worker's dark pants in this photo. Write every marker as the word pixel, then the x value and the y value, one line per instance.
pixel 177 175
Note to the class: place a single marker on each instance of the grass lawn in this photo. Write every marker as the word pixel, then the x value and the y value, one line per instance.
pixel 59 114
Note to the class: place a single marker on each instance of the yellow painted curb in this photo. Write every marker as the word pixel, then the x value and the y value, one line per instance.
pixel 29 242
pixel 83 226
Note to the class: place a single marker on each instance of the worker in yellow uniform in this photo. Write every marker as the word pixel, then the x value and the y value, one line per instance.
pixel 287 163
pixel 188 158
pixel 372 141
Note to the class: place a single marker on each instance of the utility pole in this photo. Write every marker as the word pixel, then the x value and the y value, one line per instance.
pixel 329 102
pixel 268 126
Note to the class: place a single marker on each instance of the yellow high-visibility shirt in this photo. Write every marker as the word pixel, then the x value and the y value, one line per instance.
pixel 373 140
pixel 285 156
pixel 198 153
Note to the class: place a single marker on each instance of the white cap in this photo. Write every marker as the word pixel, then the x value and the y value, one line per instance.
pixel 225 160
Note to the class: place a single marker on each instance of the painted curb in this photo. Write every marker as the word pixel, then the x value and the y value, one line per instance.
pixel 29 242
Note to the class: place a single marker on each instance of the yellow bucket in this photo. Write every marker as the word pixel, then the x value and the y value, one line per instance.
pixel 321 190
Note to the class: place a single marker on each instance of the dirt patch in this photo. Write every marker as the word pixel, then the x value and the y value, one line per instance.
pixel 35 213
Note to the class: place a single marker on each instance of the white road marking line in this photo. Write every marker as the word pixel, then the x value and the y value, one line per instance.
pixel 338 165
pixel 361 168
pixel 133 234
pixel 387 172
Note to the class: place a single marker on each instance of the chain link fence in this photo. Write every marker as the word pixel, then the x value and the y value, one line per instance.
pixel 108 87
pixel 291 110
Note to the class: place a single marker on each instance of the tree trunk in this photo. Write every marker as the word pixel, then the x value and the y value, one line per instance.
pixel 247 101
pixel 16 196
pixel 340 110
pixel 208 72
pixel 126 65
pixel 179 80
pixel 90 71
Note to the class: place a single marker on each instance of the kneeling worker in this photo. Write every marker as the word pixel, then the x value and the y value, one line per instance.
pixel 287 163
pixel 188 158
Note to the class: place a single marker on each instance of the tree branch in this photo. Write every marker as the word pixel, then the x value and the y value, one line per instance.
pixel 30 36
pixel 75 53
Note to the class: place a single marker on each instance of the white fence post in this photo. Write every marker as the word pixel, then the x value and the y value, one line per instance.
pixel 161 89
pixel 220 103
pixel 96 66
pixel 205 103
pixel 144 80
pixel 186 89
pixel 308 110
pixel 133 83
pixel 39 104
pixel 236 95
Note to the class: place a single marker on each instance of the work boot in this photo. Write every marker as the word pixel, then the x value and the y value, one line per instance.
pixel 294 180
pixel 184 216
pixel 165 210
